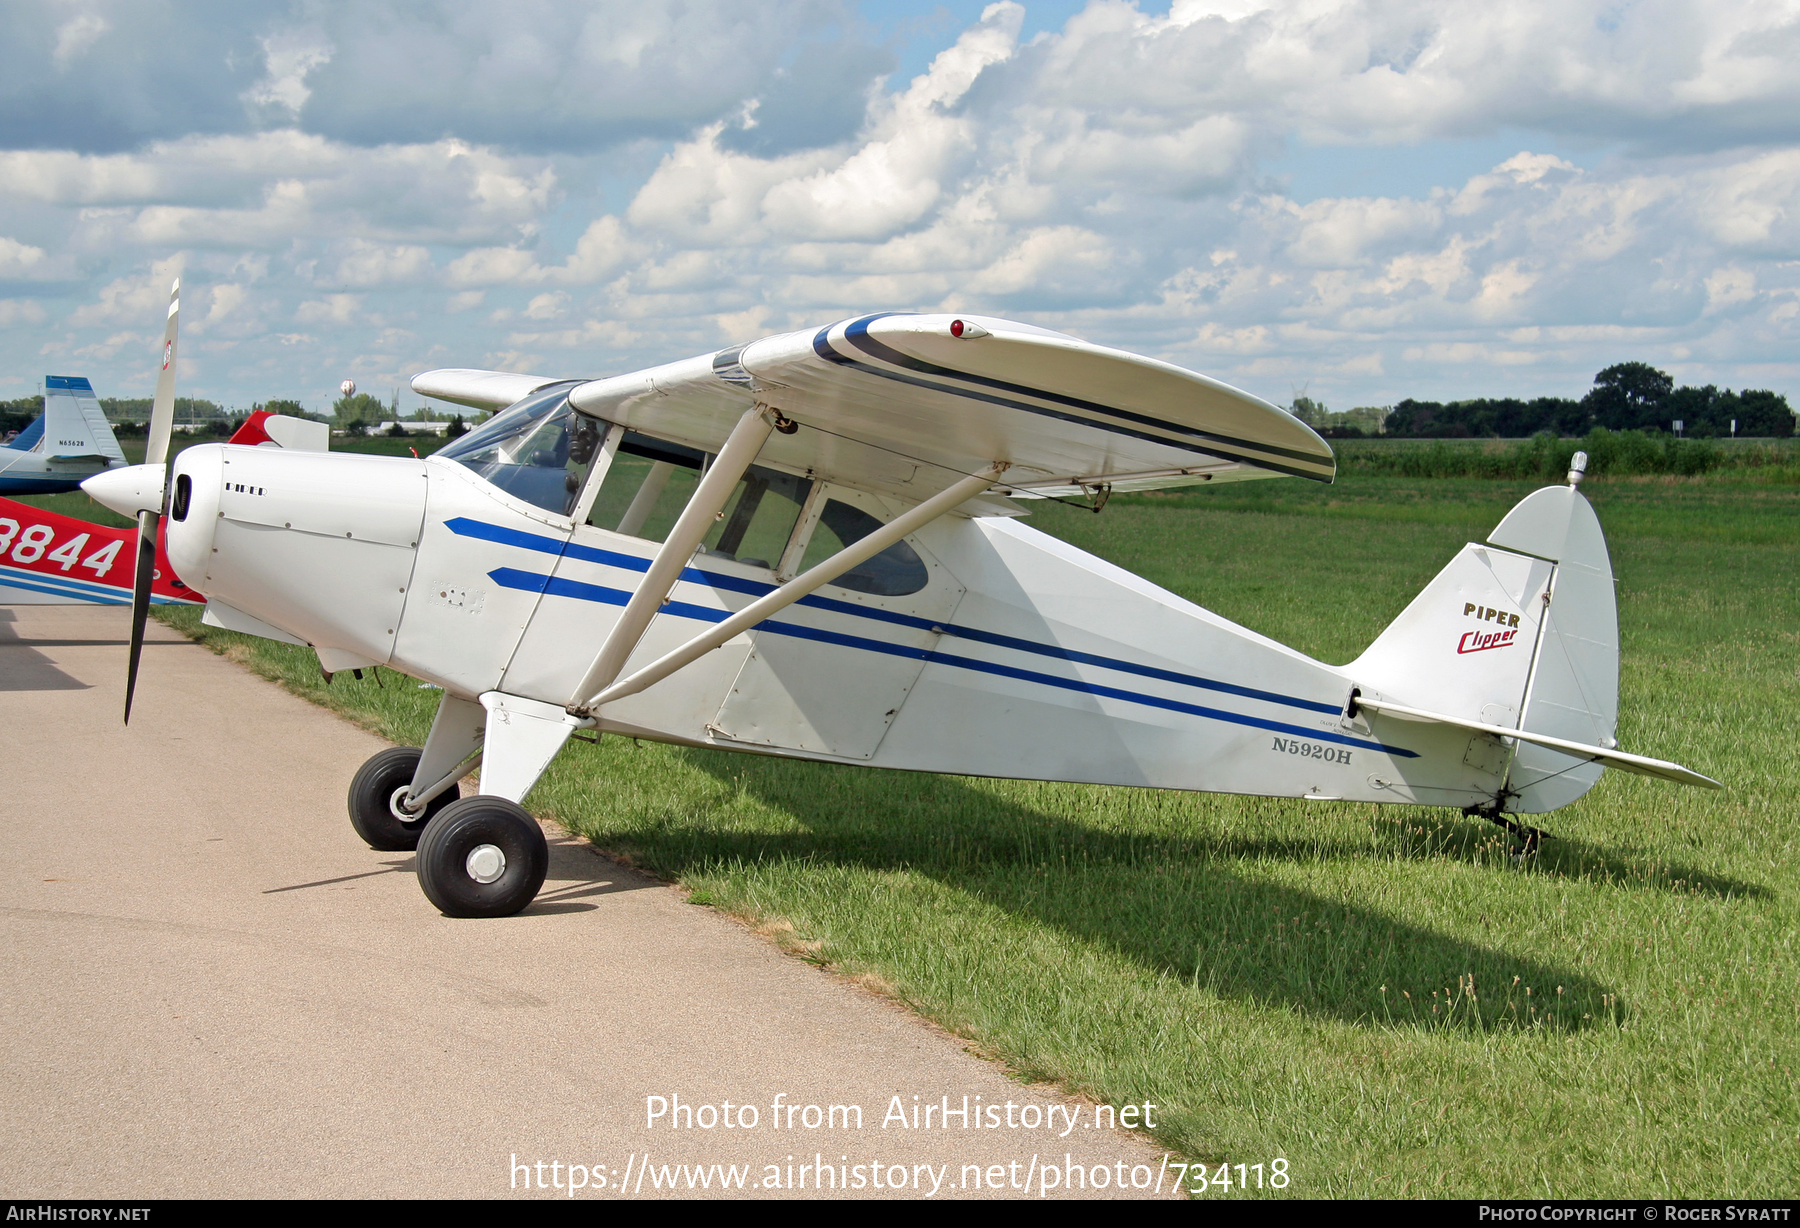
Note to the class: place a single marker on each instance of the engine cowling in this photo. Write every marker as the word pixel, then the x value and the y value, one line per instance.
pixel 320 545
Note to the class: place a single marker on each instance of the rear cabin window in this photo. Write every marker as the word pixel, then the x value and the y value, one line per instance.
pixel 895 572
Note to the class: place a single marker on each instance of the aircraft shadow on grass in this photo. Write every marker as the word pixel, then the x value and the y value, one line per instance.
pixel 1171 905
pixel 1563 857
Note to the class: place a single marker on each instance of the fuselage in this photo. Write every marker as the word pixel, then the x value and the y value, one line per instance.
pixel 26 472
pixel 68 443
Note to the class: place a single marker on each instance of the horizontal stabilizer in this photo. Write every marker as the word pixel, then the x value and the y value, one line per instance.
pixel 1642 765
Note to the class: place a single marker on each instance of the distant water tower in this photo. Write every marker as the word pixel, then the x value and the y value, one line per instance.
pixel 348 387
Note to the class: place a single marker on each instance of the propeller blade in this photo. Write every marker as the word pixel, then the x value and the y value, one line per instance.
pixel 140 599
pixel 162 425
pixel 162 409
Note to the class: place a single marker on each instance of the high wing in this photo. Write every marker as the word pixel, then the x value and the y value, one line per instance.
pixel 908 404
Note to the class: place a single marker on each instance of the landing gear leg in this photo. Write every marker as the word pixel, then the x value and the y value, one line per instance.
pixel 486 856
pixel 1531 839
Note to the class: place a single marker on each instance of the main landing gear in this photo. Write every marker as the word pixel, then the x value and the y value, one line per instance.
pixel 375 796
pixel 482 857
pixel 478 856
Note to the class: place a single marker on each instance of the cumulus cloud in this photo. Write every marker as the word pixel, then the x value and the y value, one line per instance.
pixel 382 264
pixel 623 184
pixel 19 260
pixel 332 309
pixel 103 78
pixel 290 55
pixel 602 249
pixel 20 311
pixel 543 76
pixel 107 348
pixel 135 298
pixel 223 300
pixel 76 35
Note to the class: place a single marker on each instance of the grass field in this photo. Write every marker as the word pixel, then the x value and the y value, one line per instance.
pixel 1378 995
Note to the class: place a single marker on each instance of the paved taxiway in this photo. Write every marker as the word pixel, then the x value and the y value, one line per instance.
pixel 211 987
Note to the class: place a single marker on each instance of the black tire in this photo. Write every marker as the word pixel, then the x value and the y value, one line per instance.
pixel 475 824
pixel 375 796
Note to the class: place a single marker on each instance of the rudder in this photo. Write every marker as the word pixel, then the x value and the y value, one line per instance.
pixel 1574 691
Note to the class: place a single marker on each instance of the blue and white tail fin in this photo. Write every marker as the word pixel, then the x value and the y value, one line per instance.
pixel 1517 641
pixel 74 426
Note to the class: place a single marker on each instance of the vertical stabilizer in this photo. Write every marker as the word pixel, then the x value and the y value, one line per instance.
pixel 1522 633
pixel 1464 646
pixel 75 427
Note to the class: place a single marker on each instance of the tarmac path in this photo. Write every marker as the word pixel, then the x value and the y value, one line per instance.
pixel 209 987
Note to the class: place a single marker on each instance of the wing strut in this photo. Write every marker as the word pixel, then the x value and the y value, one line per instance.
pixel 785 596
pixel 703 506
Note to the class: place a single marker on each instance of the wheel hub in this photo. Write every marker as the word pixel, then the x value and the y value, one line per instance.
pixel 485 863
pixel 397 804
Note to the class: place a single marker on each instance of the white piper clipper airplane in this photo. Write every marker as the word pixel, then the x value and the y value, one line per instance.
pixel 809 546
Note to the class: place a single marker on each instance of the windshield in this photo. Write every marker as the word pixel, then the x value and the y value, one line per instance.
pixel 538 450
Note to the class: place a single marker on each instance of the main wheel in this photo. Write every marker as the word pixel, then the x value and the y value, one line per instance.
pixel 482 857
pixel 375 797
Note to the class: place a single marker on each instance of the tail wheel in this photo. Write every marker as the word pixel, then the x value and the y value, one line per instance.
pixel 482 857
pixel 375 796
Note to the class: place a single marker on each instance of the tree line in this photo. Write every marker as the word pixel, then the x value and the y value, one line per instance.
pixel 128 416
pixel 1628 396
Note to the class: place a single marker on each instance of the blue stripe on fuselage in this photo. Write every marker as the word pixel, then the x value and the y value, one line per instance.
pixel 738 584
pixel 557 586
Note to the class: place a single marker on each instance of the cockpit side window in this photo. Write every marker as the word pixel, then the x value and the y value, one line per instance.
pixel 646 487
pixel 539 450
pixel 651 480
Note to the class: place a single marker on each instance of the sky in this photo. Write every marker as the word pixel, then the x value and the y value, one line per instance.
pixel 1357 201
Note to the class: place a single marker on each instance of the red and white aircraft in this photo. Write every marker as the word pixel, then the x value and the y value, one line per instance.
pixel 47 558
